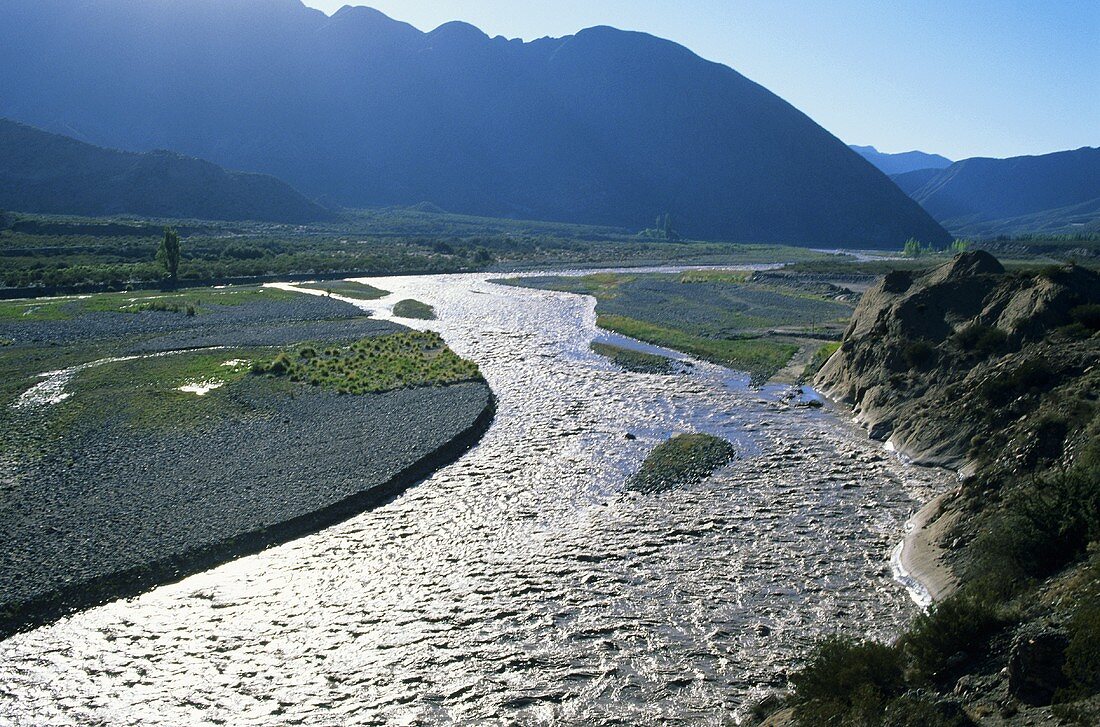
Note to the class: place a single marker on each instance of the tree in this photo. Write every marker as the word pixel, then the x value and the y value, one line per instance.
pixel 912 248
pixel 168 254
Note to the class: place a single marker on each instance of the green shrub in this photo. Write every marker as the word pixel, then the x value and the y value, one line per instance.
pixel 949 634
pixel 918 354
pixel 847 682
pixel 1087 316
pixel 1083 654
pixel 1033 376
pixel 980 339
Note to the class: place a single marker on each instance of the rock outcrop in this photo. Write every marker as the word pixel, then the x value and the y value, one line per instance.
pixel 938 362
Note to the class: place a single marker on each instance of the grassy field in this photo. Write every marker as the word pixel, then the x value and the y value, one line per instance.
pixel 382 363
pixel 725 317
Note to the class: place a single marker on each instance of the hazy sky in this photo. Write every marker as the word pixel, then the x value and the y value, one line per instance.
pixel 956 77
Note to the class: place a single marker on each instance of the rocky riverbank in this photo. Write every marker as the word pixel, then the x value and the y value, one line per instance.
pixel 996 375
pixel 101 502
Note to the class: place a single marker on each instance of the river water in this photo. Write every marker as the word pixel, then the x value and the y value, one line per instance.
pixel 520 584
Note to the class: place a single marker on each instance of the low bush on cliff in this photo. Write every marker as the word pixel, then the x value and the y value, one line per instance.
pixel 854 682
pixel 918 354
pixel 948 635
pixel 847 680
pixel 1035 375
pixel 981 340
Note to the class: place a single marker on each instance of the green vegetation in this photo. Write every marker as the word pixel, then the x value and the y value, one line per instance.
pixel 683 460
pixel 856 682
pixel 168 254
pixel 187 301
pixel 413 309
pixel 636 361
pixel 914 249
pixel 760 357
pixel 820 356
pixel 382 363
pixel 145 392
pixel 662 229
pixel 731 318
pixel 981 340
pixel 38 250
pixel 347 289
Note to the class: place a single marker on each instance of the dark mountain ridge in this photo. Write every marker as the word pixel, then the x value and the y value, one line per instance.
pixel 1054 193
pixel 604 127
pixel 53 174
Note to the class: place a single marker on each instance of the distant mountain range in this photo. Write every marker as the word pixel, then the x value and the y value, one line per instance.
pixel 49 173
pixel 605 127
pixel 901 163
pixel 1050 194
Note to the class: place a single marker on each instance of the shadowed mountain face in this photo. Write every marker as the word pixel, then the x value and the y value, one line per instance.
pixel 604 127
pixel 48 173
pixel 1052 193
pixel 909 161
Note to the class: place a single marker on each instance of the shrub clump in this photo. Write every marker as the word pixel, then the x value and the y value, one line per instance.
pixel 918 354
pixel 847 682
pixel 948 635
pixel 413 309
pixel 981 340
pixel 1035 375
pixel 683 460
pixel 1087 316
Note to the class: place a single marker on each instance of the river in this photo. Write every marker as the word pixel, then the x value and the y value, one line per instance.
pixel 520 584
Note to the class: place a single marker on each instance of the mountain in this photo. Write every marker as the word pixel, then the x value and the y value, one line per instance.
pixel 1054 194
pixel 53 174
pixel 901 163
pixel 605 127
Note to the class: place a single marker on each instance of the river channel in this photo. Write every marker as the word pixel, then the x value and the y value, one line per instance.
pixel 520 584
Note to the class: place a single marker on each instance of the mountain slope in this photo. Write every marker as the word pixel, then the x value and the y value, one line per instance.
pixel 1052 193
pixel 605 126
pixel 53 174
pixel 901 163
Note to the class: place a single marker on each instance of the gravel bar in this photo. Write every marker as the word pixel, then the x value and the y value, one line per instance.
pixel 116 511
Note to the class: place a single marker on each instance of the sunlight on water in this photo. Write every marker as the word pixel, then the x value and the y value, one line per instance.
pixel 519 584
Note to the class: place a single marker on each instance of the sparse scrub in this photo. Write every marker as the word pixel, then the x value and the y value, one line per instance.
pixel 1087 316
pixel 1032 376
pixel 981 339
pixel 382 363
pixel 918 354
pixel 820 357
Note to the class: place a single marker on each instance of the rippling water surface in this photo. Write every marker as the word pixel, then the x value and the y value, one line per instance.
pixel 520 584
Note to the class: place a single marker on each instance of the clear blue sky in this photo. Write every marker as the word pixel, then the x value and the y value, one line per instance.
pixel 955 77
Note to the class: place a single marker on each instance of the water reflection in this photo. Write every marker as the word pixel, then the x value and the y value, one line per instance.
pixel 519 584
